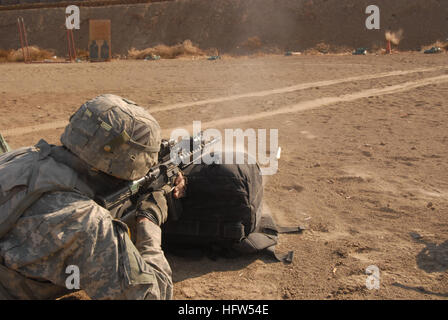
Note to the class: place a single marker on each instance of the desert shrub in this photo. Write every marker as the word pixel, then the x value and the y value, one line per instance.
pixel 324 48
pixel 253 43
pixel 36 53
pixel 82 54
pixel 186 48
pixel 4 54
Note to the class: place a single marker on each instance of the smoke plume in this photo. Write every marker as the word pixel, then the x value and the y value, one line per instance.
pixel 394 37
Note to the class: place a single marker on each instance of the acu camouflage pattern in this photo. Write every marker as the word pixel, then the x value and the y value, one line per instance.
pixel 68 228
pixel 65 228
pixel 114 135
pixel 26 171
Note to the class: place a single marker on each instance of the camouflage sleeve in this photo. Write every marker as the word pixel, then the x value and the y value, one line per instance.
pixel 67 229
pixel 148 243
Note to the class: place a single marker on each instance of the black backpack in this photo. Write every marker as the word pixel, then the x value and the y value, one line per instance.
pixel 222 213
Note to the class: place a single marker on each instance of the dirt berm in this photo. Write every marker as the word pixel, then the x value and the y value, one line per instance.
pixel 227 24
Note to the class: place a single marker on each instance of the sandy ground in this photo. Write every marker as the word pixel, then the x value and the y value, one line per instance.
pixel 364 160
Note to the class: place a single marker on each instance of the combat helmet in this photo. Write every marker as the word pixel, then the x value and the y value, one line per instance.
pixel 114 135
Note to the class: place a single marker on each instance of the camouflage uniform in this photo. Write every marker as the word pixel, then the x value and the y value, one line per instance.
pixel 64 227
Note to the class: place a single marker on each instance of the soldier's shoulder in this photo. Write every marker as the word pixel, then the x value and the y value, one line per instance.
pixel 65 202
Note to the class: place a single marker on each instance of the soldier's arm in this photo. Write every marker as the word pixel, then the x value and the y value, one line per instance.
pixel 148 243
pixel 65 228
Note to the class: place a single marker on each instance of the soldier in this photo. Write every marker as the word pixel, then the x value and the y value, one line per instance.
pixel 48 220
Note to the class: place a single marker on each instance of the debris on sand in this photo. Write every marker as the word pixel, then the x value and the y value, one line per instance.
pixel 436 47
pixel 433 50
pixel 293 53
pixel 152 57
pixel 360 51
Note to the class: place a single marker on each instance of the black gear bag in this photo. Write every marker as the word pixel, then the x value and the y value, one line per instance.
pixel 223 212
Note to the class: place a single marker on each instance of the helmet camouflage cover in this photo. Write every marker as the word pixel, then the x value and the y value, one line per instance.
pixel 115 136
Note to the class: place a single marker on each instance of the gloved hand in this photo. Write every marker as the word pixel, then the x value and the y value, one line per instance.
pixel 180 186
pixel 154 208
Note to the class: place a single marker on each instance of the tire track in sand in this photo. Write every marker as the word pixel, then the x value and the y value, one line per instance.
pixel 303 86
pixel 322 102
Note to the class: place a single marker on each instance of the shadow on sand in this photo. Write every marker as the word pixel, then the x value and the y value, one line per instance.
pixel 420 290
pixel 432 258
pixel 195 264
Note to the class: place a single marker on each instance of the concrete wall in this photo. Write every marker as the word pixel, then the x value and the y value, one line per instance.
pixel 12 2
pixel 225 24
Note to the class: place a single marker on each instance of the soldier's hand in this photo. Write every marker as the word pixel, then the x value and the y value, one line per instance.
pixel 180 186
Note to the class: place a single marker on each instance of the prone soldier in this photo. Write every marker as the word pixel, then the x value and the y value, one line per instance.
pixel 49 220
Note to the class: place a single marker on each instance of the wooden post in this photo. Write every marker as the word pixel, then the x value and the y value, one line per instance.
pixel 71 49
pixel 389 47
pixel 23 40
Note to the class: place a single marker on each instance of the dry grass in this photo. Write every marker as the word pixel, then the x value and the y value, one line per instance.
pixel 186 48
pixel 36 53
pixel 324 48
pixel 255 47
pixel 4 54
pixel 82 54
pixel 252 44
pixel 212 52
